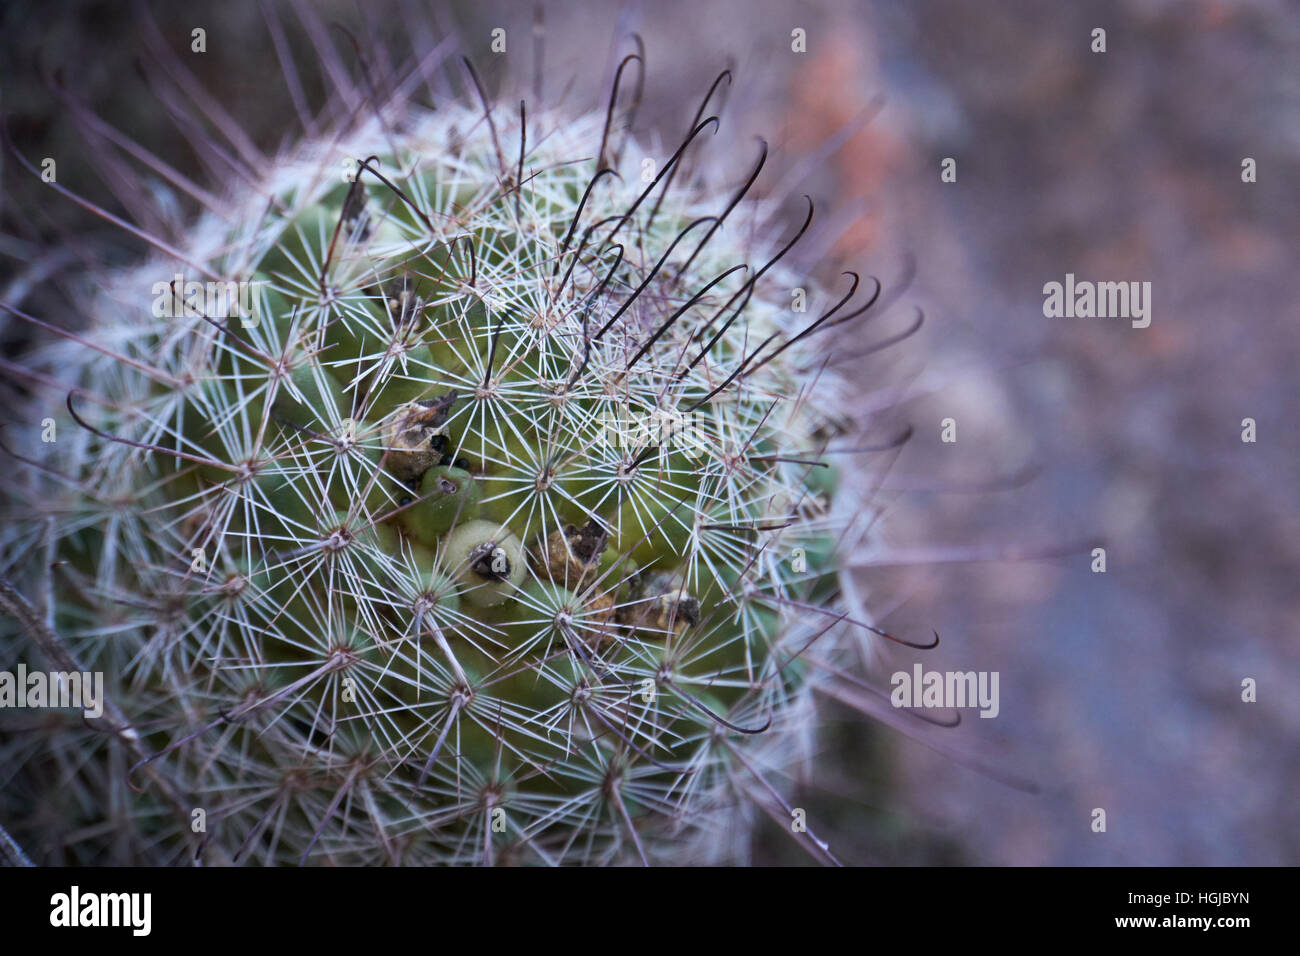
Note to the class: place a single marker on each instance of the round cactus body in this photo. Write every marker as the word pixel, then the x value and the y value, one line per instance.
pixel 491 530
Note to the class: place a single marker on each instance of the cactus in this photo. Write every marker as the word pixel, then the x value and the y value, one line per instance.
pixel 490 527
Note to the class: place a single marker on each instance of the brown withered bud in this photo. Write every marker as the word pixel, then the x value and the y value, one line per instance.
pixel 675 610
pixel 415 437
pixel 573 553
pixel 663 605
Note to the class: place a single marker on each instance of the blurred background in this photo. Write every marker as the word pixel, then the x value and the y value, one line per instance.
pixel 1121 690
